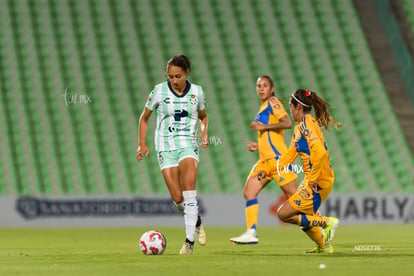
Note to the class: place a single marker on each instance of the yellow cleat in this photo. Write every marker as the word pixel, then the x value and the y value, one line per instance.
pixel 321 250
pixel 330 229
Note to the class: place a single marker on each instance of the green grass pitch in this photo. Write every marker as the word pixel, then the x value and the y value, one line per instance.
pixel 359 250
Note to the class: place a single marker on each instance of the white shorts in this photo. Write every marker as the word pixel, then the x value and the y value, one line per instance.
pixel 169 159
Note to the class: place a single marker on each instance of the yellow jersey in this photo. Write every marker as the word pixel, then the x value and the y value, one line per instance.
pixel 308 142
pixel 270 143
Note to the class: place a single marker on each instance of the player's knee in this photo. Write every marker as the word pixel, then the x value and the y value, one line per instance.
pixel 249 195
pixel 250 192
pixel 282 214
pixel 246 194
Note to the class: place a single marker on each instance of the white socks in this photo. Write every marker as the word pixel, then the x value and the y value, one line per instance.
pixel 190 213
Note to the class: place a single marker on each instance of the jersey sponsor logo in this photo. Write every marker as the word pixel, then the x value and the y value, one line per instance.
pixel 180 114
pixel 168 101
pixel 177 129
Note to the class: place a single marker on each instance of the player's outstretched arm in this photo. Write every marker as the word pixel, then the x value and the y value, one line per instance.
pixel 143 150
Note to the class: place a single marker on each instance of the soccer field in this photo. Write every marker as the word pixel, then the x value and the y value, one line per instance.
pixel 359 250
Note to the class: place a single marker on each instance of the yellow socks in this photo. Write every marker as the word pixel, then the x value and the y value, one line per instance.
pixel 252 213
pixel 312 220
pixel 315 234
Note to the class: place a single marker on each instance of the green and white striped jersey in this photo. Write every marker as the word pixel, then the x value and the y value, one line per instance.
pixel 177 115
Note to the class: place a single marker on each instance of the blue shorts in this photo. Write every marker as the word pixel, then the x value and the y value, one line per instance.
pixel 169 159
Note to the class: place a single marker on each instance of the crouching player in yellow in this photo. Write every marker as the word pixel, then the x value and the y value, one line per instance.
pixel 308 142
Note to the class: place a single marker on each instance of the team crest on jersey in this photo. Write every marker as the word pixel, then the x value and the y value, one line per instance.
pixel 193 99
pixel 297 202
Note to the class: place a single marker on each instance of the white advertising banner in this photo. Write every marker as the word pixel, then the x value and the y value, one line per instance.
pixel 217 210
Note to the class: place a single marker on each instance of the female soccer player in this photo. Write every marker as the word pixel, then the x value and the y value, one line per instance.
pixel 179 104
pixel 270 122
pixel 308 142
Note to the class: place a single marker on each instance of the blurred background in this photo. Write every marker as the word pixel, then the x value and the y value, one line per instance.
pixel 75 75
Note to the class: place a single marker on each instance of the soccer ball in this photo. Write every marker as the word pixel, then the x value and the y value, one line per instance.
pixel 152 243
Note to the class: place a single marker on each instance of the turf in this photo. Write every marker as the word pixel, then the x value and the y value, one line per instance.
pixel 359 250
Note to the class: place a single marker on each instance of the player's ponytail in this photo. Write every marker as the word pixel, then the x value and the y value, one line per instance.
pixel 307 99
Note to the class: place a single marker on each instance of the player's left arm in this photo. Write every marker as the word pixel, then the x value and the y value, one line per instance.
pixel 202 116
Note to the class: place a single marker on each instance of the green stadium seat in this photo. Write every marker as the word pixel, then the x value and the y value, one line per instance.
pixel 116 51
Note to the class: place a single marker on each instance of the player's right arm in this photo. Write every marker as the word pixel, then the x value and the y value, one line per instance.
pixel 143 149
pixel 284 123
pixel 152 103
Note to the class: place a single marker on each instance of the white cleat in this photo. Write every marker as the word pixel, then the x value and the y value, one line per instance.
pixel 187 248
pixel 248 237
pixel 200 235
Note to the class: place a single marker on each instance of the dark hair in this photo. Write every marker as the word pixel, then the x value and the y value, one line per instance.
pixel 307 99
pixel 180 61
pixel 272 83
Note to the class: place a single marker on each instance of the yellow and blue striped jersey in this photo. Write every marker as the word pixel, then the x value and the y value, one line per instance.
pixel 271 143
